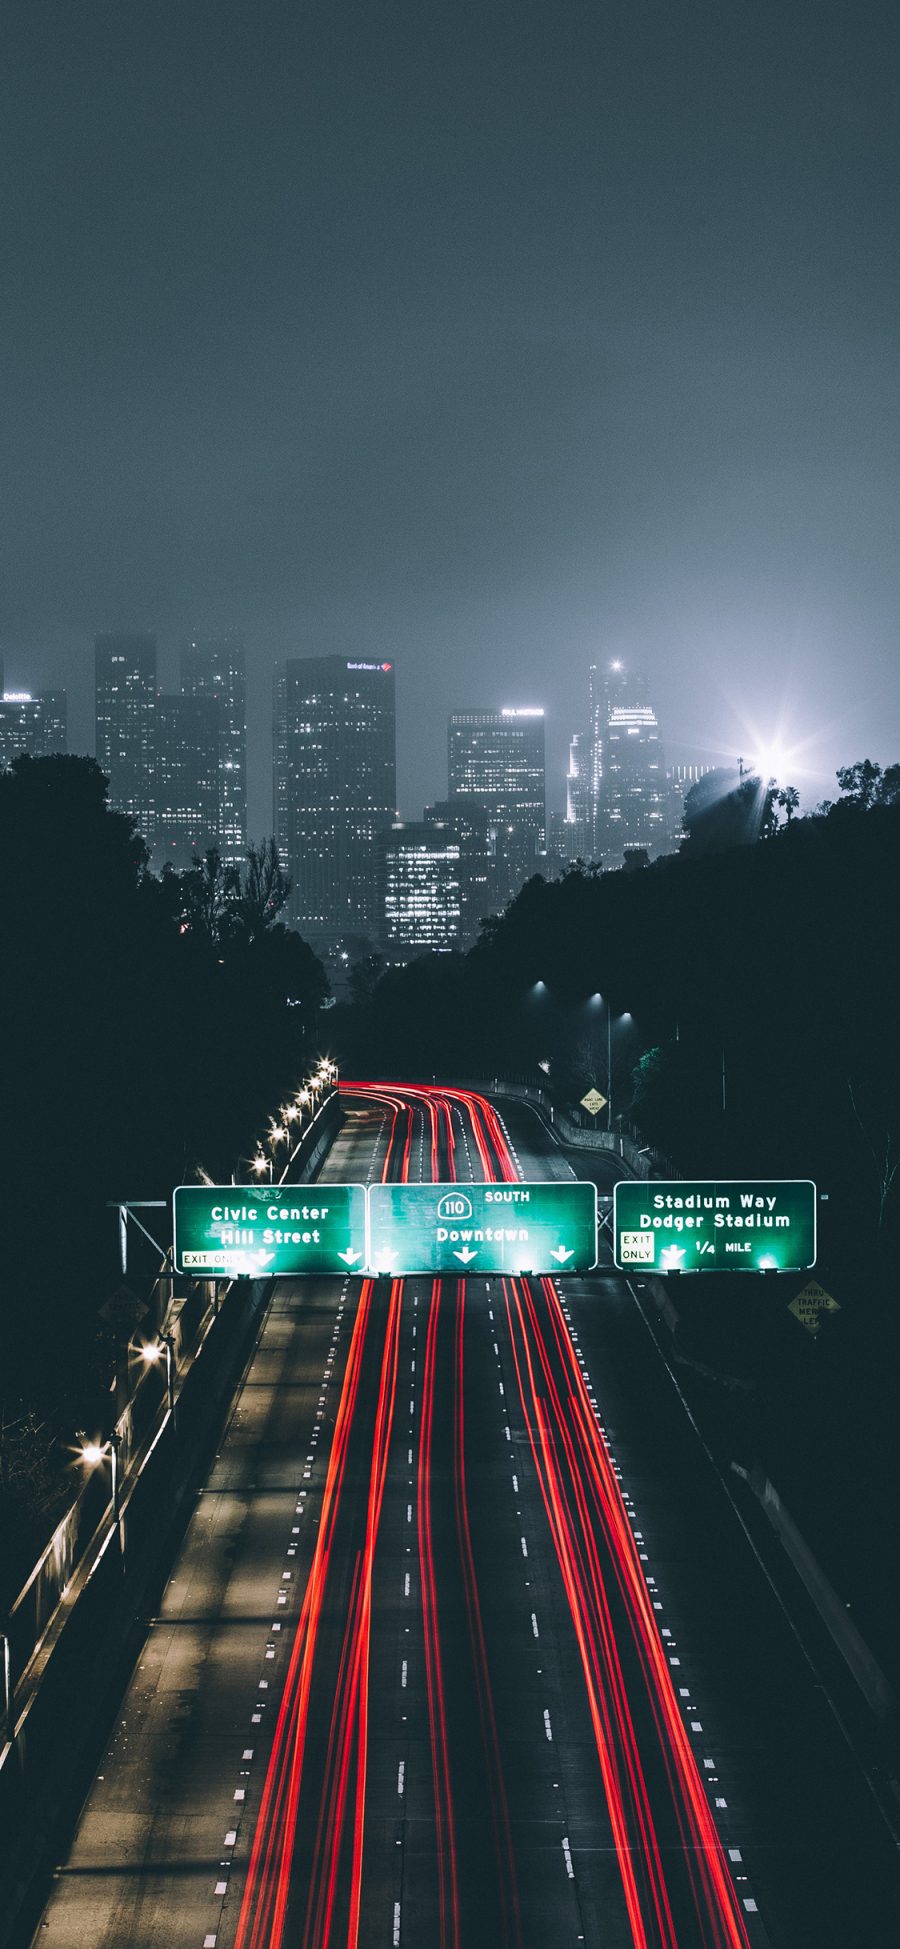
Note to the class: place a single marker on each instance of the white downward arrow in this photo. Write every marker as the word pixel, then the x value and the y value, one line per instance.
pixel 350 1257
pixel 562 1253
pixel 264 1258
pixel 466 1254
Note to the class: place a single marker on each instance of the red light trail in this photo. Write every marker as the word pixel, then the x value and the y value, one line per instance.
pixel 305 1881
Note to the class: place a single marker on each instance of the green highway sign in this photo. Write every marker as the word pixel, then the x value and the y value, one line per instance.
pixel 232 1232
pixel 733 1225
pixel 474 1228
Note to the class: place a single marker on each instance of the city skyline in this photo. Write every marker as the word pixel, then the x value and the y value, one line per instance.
pixel 421 764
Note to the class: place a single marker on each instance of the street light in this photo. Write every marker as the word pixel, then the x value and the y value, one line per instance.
pixel 624 1017
pixel 153 1353
pixel 92 1453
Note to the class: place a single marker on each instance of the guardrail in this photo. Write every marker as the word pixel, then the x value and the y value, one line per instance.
pixel 78 1605
pixel 84 1529
pixel 624 1140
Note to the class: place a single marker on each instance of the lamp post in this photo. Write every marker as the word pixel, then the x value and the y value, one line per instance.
pixel 92 1453
pixel 624 1017
pixel 153 1353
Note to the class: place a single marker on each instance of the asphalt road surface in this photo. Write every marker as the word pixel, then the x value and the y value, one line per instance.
pixel 465 1645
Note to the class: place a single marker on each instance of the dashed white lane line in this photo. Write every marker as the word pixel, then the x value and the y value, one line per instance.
pixel 547 1726
pixel 534 1625
pixel 401 1778
pixel 568 1857
pixel 396 1935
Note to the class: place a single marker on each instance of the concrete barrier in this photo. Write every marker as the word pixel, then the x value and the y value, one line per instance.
pixel 71 1630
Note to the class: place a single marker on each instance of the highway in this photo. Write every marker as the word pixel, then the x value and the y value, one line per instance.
pixel 464 1644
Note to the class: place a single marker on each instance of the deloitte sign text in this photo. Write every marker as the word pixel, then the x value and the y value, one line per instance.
pixel 755 1225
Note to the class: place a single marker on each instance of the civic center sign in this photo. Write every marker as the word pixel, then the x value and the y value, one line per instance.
pixel 232 1232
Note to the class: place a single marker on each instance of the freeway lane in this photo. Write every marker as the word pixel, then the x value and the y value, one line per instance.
pixel 424 1673
pixel 166 1812
pixel 823 1868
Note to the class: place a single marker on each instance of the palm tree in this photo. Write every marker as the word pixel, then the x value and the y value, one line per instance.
pixel 789 799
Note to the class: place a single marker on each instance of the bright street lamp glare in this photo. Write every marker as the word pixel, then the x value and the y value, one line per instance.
pixel 152 1351
pixel 91 1454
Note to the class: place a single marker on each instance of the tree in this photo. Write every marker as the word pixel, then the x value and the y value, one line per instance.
pixel 878 1129
pixel 263 890
pixel 719 814
pixel 789 799
pixel 363 979
pixel 860 783
pixel 209 896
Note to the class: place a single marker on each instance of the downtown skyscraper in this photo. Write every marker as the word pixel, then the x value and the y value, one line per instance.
pixel 496 761
pixel 188 774
pixel 335 788
pixel 125 696
pixel 31 722
pixel 213 668
pixel 628 792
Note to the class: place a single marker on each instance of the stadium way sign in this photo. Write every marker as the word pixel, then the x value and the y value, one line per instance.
pixel 474 1228
pixel 752 1225
pixel 230 1231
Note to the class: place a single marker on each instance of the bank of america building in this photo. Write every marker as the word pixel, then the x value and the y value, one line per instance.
pixel 335 768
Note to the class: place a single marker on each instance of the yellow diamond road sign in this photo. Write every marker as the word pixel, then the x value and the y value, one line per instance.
pixel 809 1304
pixel 593 1102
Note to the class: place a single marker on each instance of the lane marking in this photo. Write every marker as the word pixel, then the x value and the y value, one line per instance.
pixel 568 1854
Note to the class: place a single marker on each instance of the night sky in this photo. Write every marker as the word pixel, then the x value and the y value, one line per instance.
pixel 493 338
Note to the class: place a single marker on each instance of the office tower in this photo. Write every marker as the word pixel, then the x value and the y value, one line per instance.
pixel 214 667
pixel 497 757
pixel 334 788
pixel 187 779
pixel 471 823
pixel 627 774
pixel 32 723
pixel 125 677
pixel 575 836
pixel 420 884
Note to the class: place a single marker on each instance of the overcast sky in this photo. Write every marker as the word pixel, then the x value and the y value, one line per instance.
pixel 495 337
